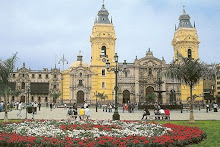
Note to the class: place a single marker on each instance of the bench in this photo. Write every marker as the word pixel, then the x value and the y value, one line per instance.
pixel 161 116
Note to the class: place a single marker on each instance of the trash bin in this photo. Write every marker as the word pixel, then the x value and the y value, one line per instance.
pixel 29 108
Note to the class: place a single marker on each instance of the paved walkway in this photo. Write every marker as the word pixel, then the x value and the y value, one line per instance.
pixel 60 113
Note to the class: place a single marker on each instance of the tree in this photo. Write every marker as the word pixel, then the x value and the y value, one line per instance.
pixel 189 71
pixel 150 97
pixel 6 68
pixel 102 96
pixel 56 95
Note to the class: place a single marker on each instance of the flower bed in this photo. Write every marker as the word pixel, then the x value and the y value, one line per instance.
pixel 96 133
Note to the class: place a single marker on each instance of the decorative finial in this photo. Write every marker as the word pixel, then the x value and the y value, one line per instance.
pixel 184 11
pixel 136 57
pixel 23 65
pixel 111 19
pixel 103 4
pixel 148 49
pixel 194 24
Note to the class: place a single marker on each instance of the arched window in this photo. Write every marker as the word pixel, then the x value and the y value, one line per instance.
pixel 150 71
pixel 39 99
pixel 103 84
pixel 80 74
pixel 103 51
pixel 32 98
pixel 189 53
pixel 46 99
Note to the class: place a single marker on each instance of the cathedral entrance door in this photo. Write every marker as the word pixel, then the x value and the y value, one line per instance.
pixel 22 98
pixel 126 96
pixel 80 97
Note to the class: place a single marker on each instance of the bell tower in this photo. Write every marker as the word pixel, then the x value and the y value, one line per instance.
pixel 186 43
pixel 185 40
pixel 102 49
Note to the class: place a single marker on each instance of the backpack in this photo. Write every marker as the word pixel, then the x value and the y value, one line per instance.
pixel 70 112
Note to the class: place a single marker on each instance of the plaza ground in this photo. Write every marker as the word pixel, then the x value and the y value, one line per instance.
pixel 61 113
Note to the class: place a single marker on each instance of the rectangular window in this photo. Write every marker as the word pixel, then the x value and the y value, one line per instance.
pixel 218 88
pixel 33 75
pixel 80 82
pixel 218 83
pixel 218 93
pixel 103 72
pixel 218 77
pixel 126 74
pixel 13 75
pixel 46 76
pixel 55 76
pixel 39 75
pixel 54 86
pixel 103 84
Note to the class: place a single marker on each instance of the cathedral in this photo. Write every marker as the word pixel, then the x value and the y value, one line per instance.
pixel 142 81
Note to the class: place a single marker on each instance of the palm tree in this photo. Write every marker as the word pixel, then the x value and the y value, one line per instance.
pixel 55 95
pixel 6 68
pixel 189 71
pixel 102 96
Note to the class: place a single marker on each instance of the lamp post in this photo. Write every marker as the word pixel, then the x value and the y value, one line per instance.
pixel 63 60
pixel 116 69
pixel 27 98
pixel 95 93
pixel 112 96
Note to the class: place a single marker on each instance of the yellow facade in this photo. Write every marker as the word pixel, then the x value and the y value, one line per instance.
pixel 186 43
pixel 65 85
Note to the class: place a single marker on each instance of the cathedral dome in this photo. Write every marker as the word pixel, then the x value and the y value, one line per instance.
pixel 79 62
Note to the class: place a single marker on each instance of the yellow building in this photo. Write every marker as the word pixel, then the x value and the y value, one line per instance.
pixel 186 43
pixel 102 49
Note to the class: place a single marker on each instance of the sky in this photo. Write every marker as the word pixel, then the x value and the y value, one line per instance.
pixel 42 31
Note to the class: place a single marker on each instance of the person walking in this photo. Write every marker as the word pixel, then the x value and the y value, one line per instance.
pixel 215 107
pixel 70 113
pixel 87 112
pixel 19 109
pixel 35 107
pixel 207 108
pixel 145 114
pixel 39 105
pixel 81 113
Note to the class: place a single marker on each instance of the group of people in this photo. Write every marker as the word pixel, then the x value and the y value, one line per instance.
pixel 209 107
pixel 128 107
pixel 158 113
pixel 84 112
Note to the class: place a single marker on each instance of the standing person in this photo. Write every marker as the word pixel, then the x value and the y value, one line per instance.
pixel 215 107
pixel 19 109
pixel 87 112
pixel 17 105
pixel 123 108
pixel 81 113
pixel 85 105
pixel 39 105
pixel 75 112
pixel 35 107
pixel 65 107
pixel 207 108
pixel 1 106
pixel 51 106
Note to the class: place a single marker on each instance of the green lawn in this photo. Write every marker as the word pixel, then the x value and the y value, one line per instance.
pixel 212 129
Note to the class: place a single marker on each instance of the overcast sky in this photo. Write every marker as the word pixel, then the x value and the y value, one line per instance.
pixel 41 31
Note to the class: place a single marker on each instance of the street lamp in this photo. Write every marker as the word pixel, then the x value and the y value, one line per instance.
pixel 112 96
pixel 116 69
pixel 95 93
pixel 27 98
pixel 63 60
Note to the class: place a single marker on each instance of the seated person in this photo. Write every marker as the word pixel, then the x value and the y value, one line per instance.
pixel 146 112
pixel 156 112
pixel 70 112
pixel 162 113
pixel 167 113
